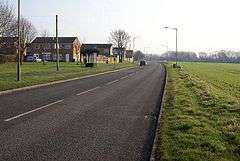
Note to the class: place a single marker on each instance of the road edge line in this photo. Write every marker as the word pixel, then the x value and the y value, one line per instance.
pixel 60 81
pixel 154 147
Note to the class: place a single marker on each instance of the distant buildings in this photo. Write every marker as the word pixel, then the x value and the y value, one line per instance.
pixel 69 48
pixel 123 55
pixel 9 46
pixel 104 51
pixel 129 55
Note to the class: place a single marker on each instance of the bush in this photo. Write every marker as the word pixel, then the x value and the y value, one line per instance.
pixel 7 58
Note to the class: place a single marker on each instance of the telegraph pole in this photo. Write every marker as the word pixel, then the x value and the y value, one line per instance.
pixel 19 44
pixel 57 49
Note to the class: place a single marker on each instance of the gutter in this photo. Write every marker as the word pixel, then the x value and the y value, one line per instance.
pixel 154 148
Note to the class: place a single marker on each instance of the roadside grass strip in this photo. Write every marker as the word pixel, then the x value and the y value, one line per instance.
pixel 37 73
pixel 200 120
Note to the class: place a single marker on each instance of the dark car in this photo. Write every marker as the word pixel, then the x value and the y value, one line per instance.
pixel 143 63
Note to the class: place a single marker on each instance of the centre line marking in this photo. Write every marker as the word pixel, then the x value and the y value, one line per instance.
pixel 124 77
pixel 88 91
pixel 37 109
pixel 109 83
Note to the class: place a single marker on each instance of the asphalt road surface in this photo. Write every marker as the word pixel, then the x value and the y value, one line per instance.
pixel 110 117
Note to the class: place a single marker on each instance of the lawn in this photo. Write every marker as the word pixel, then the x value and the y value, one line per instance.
pixel 201 116
pixel 37 73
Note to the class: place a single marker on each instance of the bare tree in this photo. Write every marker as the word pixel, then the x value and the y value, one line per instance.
pixel 28 31
pixel 120 39
pixel 7 19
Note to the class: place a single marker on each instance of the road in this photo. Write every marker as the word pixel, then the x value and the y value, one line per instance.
pixel 110 117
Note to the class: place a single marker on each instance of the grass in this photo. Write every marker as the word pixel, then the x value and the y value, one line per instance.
pixel 37 73
pixel 201 116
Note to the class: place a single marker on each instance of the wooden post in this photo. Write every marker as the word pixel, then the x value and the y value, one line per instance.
pixel 57 49
pixel 19 44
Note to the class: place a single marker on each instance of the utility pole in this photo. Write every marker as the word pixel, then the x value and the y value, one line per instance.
pixel 19 44
pixel 57 47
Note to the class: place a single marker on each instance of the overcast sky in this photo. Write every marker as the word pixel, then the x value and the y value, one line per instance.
pixel 204 25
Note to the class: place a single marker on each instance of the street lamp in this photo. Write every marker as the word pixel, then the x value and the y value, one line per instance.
pixel 19 45
pixel 172 28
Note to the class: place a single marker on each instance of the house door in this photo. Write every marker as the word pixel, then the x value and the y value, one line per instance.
pixel 67 58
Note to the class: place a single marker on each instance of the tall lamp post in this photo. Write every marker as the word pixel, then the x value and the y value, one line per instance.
pixel 19 44
pixel 176 29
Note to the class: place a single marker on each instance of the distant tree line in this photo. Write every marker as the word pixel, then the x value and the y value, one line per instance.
pixel 222 56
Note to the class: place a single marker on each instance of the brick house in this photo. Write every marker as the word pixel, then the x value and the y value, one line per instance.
pixel 104 51
pixel 129 55
pixel 9 46
pixel 69 48
pixel 120 53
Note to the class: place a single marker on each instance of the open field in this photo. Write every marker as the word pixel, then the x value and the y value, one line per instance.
pixel 37 73
pixel 201 116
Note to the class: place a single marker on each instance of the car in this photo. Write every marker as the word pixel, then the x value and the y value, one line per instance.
pixel 29 58
pixel 33 58
pixel 143 63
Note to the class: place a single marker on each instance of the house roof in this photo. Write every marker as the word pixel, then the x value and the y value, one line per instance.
pixel 53 39
pixel 96 45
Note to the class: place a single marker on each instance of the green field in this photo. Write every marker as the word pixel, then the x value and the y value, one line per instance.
pixel 201 116
pixel 37 73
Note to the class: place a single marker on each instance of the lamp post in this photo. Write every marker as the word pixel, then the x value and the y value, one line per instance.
pixel 176 29
pixel 19 44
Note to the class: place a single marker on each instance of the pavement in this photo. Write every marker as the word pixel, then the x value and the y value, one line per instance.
pixel 109 117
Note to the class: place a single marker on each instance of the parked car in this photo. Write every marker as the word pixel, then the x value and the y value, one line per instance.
pixel 29 58
pixel 33 58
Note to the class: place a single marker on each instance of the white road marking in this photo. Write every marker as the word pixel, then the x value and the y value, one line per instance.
pixel 131 74
pixel 90 90
pixel 109 83
pixel 124 77
pixel 37 109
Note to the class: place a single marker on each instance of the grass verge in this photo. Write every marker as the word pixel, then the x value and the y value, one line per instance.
pixel 37 73
pixel 201 116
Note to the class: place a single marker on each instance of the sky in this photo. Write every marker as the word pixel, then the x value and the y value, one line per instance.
pixel 204 25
